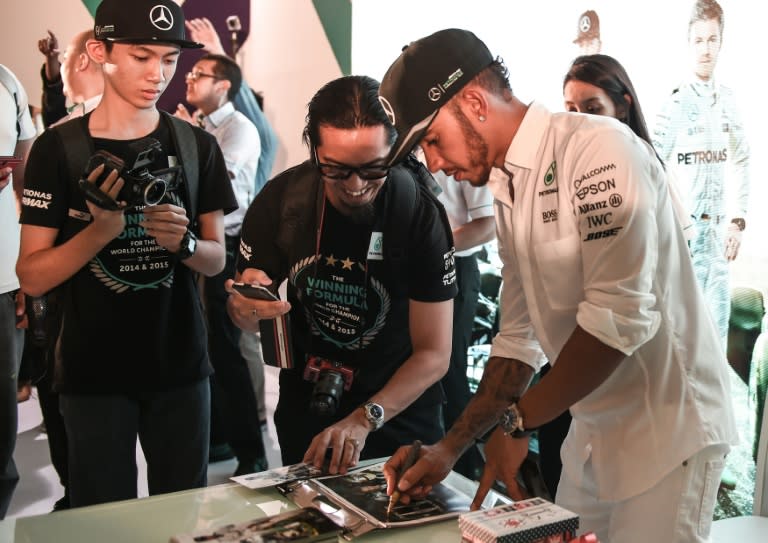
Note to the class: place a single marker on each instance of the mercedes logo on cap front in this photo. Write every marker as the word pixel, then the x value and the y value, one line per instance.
pixel 388 109
pixel 161 17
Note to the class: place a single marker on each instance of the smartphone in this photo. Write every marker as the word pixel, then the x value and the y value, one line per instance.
pixel 9 161
pixel 257 292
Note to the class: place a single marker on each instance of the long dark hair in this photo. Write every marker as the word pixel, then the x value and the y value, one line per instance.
pixel 608 74
pixel 348 102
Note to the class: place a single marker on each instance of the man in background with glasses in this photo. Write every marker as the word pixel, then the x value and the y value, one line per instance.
pixel 211 85
pixel 368 255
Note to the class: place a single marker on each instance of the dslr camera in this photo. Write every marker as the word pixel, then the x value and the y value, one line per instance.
pixel 331 380
pixel 141 187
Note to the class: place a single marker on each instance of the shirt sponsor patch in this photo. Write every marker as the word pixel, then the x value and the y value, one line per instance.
pixel 602 234
pixel 596 188
pixel 376 246
pixel 36 198
pixel 245 251
pixel 79 215
pixel 549 216
pixel 591 173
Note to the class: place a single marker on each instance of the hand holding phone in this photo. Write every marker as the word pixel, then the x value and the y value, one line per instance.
pixel 254 291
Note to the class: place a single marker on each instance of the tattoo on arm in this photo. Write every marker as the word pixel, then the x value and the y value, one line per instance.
pixel 504 381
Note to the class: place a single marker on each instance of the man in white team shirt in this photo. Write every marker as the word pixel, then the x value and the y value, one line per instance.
pixel 597 281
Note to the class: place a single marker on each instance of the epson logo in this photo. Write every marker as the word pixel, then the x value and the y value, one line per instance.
pixel 595 188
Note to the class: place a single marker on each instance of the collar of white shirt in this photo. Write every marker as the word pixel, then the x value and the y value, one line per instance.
pixel 215 118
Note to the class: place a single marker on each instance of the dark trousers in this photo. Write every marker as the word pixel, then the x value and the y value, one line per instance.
pixel 235 412
pixel 11 343
pixel 172 427
pixel 54 427
pixel 455 383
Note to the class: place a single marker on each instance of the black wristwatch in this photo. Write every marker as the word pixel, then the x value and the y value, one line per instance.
pixel 375 415
pixel 511 422
pixel 188 245
pixel 741 223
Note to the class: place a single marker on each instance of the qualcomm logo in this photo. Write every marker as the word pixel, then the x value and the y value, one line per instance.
pixel 161 17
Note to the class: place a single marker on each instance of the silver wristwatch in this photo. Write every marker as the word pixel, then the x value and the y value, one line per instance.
pixel 512 423
pixel 374 413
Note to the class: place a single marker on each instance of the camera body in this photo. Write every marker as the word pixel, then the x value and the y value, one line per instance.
pixel 331 380
pixel 140 186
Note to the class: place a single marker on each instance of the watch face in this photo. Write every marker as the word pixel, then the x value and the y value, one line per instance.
pixel 375 411
pixel 509 420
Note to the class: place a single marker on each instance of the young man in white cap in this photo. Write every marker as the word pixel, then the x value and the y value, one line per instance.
pixel 597 280
pixel 131 353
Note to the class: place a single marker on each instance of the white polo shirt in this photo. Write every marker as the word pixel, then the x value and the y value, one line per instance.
pixel 591 239
pixel 10 115
pixel 463 204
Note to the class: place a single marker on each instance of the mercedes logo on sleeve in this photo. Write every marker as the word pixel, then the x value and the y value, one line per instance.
pixel 161 17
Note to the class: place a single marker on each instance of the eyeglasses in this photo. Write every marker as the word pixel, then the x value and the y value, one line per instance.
pixel 195 75
pixel 339 172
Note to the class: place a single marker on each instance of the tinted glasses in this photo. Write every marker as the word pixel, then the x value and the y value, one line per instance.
pixel 339 172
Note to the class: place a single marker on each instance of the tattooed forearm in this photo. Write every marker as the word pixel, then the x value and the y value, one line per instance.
pixel 504 380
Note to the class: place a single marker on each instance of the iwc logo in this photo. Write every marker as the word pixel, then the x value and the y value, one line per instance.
pixel 161 17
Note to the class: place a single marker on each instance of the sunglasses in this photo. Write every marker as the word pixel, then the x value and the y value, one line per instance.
pixel 339 172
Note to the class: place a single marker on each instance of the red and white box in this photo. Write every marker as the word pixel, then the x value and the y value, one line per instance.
pixel 527 521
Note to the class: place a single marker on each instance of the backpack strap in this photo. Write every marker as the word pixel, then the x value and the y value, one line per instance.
pixel 77 144
pixel 413 182
pixel 186 146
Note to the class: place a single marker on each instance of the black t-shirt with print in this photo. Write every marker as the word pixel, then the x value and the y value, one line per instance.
pixel 132 316
pixel 347 308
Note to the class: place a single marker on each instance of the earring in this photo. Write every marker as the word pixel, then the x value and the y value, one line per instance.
pixel 481 118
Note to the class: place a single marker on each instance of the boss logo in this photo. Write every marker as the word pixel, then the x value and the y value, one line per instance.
pixel 549 216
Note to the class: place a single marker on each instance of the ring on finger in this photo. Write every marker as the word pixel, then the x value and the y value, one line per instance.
pixel 352 441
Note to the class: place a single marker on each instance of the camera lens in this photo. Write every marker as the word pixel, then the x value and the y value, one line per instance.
pixel 154 191
pixel 326 394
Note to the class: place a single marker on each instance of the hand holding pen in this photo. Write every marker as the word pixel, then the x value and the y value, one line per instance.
pixel 410 460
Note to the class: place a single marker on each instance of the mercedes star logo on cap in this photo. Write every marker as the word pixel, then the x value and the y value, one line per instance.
pixel 161 17
pixel 434 94
pixel 388 109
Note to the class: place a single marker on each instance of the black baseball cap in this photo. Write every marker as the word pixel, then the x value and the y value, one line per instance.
pixel 142 21
pixel 427 74
pixel 589 26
